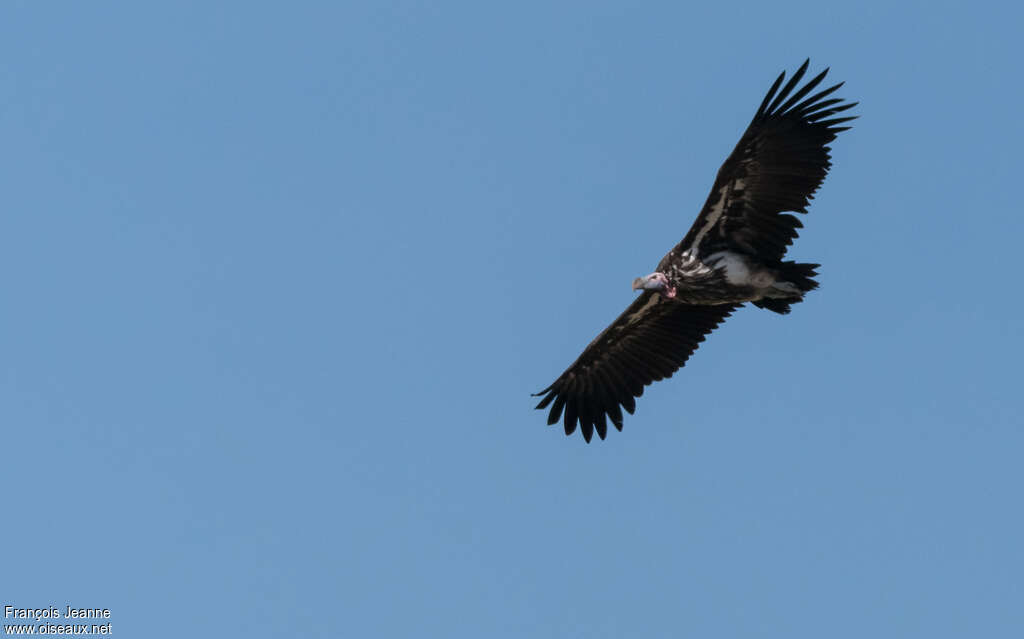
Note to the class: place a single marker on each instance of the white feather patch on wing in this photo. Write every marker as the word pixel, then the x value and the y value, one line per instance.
pixel 643 310
pixel 716 211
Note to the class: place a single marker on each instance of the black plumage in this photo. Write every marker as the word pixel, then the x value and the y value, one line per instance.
pixel 731 255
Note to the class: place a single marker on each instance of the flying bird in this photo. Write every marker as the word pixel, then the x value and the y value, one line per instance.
pixel 731 255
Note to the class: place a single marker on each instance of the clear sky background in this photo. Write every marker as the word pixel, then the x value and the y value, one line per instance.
pixel 279 279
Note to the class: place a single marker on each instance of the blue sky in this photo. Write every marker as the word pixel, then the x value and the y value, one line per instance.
pixel 278 282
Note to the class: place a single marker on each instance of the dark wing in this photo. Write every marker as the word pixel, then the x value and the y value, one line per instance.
pixel 647 343
pixel 779 163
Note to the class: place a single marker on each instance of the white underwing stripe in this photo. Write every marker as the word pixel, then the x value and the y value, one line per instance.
pixel 643 310
pixel 715 214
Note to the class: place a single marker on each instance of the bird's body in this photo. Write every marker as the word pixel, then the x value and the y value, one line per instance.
pixel 724 277
pixel 731 255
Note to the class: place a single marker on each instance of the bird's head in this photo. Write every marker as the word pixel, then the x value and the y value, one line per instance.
pixel 654 282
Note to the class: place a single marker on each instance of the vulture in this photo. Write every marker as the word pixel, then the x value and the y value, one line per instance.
pixel 732 254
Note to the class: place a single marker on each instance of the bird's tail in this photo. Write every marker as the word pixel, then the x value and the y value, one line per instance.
pixel 793 281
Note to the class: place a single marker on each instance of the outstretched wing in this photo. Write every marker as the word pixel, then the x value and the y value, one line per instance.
pixel 650 341
pixel 779 163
